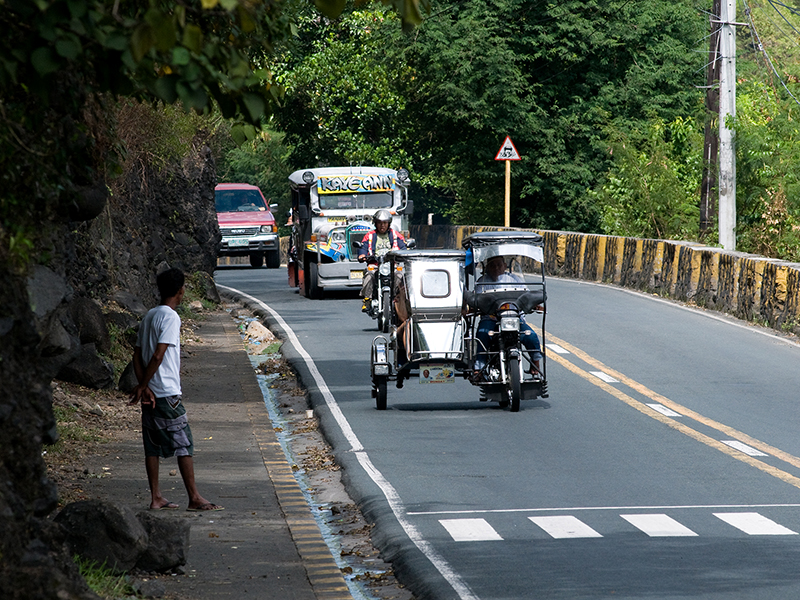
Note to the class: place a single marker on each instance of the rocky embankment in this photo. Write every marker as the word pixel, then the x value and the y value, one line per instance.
pixel 56 320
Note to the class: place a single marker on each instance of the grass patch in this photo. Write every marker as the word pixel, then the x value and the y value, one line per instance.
pixel 69 430
pixel 103 581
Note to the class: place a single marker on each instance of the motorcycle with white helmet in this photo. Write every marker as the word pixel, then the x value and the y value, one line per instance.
pixel 377 285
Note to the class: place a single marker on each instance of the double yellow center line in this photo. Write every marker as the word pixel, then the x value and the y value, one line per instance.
pixel 678 408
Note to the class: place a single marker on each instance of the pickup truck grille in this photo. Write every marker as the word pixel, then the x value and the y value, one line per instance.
pixel 234 231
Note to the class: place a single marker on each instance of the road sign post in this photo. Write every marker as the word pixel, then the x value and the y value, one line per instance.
pixel 508 153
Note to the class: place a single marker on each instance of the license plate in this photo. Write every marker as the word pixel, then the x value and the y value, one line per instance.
pixel 356 274
pixel 437 374
pixel 236 243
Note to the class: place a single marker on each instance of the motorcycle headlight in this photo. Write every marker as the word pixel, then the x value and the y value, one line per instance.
pixel 380 369
pixel 385 269
pixel 509 324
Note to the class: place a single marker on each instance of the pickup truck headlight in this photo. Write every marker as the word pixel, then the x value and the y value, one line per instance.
pixel 266 229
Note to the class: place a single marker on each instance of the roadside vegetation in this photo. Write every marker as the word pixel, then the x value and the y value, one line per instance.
pixel 604 101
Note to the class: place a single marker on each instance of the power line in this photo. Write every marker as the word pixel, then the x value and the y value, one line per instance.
pixel 760 46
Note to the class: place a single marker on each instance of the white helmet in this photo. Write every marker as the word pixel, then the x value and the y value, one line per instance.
pixel 382 215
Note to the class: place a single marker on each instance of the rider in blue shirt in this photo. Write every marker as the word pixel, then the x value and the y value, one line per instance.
pixel 495 277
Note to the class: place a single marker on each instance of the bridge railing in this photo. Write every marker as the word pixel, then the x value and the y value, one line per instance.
pixel 753 288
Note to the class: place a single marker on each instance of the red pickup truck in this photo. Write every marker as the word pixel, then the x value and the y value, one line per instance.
pixel 247 224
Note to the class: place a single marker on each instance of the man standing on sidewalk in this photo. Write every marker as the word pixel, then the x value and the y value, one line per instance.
pixel 157 363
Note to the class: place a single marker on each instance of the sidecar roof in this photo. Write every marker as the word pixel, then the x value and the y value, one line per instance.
pixel 491 238
pixel 423 255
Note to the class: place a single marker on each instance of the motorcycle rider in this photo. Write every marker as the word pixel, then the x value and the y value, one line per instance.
pixel 494 277
pixel 377 242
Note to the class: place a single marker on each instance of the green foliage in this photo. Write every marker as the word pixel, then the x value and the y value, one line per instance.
pixel 440 102
pixel 102 580
pixel 193 52
pixel 767 172
pixel 262 162
pixel 652 189
pixel 342 106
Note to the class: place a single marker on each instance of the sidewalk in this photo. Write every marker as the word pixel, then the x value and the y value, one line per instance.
pixel 266 543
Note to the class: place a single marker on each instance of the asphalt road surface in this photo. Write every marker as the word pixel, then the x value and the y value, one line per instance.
pixel 664 464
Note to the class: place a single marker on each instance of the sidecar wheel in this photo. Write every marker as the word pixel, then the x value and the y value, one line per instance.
pixel 380 392
pixel 515 389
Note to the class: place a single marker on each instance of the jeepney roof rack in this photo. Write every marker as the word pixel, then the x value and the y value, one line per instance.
pixel 309 176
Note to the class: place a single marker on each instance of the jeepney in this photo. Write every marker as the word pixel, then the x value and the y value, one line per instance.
pixel 332 210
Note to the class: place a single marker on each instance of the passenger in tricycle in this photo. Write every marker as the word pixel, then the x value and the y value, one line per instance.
pixel 496 277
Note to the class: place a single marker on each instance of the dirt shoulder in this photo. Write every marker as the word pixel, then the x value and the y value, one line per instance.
pixel 98 427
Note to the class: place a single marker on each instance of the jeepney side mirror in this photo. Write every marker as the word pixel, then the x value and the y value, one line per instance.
pixel 408 209
pixel 302 212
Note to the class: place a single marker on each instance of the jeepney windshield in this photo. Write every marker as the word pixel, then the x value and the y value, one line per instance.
pixel 348 201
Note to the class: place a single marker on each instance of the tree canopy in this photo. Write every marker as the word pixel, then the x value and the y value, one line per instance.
pixel 554 77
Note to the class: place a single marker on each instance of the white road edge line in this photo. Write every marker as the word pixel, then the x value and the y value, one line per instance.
pixel 395 503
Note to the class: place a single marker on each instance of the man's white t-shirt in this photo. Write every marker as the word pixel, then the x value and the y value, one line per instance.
pixel 162 325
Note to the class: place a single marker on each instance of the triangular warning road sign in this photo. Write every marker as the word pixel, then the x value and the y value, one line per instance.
pixel 508 151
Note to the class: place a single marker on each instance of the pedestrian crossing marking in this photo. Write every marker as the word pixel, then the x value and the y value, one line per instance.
pixel 470 530
pixel 652 524
pixel 659 525
pixel 565 527
pixel 754 524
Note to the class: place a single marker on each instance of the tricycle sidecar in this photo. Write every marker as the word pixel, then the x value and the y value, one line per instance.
pixel 427 333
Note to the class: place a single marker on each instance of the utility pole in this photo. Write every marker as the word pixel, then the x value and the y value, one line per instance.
pixel 710 147
pixel 727 110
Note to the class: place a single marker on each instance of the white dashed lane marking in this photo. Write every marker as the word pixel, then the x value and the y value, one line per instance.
pixel 667 412
pixel 749 450
pixel 604 377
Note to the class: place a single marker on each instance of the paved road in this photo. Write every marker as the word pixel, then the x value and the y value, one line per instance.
pixel 663 464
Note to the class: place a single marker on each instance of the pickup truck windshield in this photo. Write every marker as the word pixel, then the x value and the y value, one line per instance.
pixel 239 201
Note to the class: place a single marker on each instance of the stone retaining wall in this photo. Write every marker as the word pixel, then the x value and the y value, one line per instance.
pixel 753 288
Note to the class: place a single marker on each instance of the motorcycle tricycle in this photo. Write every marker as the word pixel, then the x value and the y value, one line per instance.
pixel 449 320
